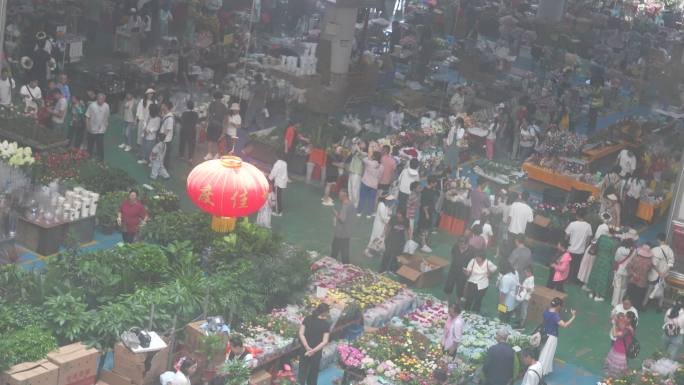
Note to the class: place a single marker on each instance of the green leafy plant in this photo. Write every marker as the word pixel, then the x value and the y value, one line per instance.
pixel 18 316
pixel 179 226
pixel 67 317
pixel 97 176
pixel 108 210
pixel 212 346
pixel 234 293
pixel 30 344
pixel 236 372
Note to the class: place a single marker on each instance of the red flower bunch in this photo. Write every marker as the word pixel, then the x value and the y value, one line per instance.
pixel 62 164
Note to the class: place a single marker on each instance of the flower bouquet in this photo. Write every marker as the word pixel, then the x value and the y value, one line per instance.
pixel 371 290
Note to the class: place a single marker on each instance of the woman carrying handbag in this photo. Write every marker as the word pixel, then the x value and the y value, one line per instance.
pixel 478 271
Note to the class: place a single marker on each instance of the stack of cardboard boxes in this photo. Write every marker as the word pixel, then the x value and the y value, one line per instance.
pixel 73 364
pixel 136 368
pixel 540 301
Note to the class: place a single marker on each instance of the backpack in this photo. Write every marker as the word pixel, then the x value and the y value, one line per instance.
pixel 632 351
pixel 671 328
pixel 541 378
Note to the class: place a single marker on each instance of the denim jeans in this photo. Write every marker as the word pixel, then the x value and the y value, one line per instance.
pixel 146 149
pixel 366 200
pixel 130 132
pixel 672 345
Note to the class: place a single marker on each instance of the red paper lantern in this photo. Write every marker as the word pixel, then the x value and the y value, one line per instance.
pixel 227 188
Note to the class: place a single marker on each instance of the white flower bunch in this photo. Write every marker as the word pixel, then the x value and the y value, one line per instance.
pixel 16 156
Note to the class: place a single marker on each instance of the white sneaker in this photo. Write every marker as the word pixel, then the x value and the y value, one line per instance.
pixel 369 216
pixel 585 288
pixel 142 161
pixel 216 156
pixel 122 146
pixel 208 156
pixel 599 299
pixel 328 202
pixel 426 249
pixel 277 214
pixel 127 148
pixel 358 215
pixel 591 295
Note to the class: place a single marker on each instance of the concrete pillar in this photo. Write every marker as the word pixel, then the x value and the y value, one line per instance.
pixel 550 11
pixel 339 24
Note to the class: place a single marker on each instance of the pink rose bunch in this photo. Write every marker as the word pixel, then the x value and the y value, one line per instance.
pixel 350 356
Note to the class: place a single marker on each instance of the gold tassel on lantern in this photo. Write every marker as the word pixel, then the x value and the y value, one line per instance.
pixel 223 224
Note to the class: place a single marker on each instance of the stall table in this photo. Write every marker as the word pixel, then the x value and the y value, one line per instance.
pixel 595 154
pixel 560 181
pixel 46 239
pixel 649 211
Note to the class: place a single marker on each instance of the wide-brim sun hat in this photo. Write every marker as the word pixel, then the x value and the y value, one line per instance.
pixel 235 107
pixel 150 91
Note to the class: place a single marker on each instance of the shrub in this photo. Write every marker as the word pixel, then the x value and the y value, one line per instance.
pixel 30 344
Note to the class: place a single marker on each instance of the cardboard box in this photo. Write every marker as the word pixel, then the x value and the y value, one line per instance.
pixel 140 368
pixel 260 377
pixel 194 333
pixel 542 221
pixel 413 269
pixel 77 364
pixel 111 378
pixel 540 301
pixel 41 372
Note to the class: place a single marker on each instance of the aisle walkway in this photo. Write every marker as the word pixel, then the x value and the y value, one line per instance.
pixel 308 224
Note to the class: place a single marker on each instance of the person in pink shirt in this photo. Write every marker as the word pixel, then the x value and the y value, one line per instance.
pixel 389 165
pixel 560 269
pixel 453 330
pixel 369 184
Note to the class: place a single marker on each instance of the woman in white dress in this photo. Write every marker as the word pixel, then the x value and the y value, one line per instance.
pixel 552 322
pixel 142 113
pixel 376 244
pixel 588 258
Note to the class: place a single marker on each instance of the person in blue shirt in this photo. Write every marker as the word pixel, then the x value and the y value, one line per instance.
pixel 551 324
pixel 498 366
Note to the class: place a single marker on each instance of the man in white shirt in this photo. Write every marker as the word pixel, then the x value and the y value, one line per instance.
pixel 579 235
pixel 97 122
pixel 395 119
pixel 533 374
pixel 32 96
pixel 7 85
pixel 279 178
pixel 167 125
pixel 58 110
pixel 663 260
pixel 624 307
pixel 519 216
pixel 627 162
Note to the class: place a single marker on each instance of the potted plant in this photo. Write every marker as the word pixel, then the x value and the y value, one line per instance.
pixel 212 347
pixel 236 372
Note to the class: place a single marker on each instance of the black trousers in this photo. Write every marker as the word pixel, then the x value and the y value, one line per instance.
pixel 76 135
pixel 96 145
pixel 474 297
pixel 167 155
pixel 128 237
pixel 340 246
pixel 593 117
pixel 402 201
pixel 279 200
pixel 558 285
pixel 630 209
pixel 308 369
pixel 636 294
pixel 574 267
pixel 188 139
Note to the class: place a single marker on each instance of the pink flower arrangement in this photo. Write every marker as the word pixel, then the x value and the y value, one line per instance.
pixel 350 356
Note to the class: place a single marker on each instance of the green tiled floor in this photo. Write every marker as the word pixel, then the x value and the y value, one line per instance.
pixel 308 224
